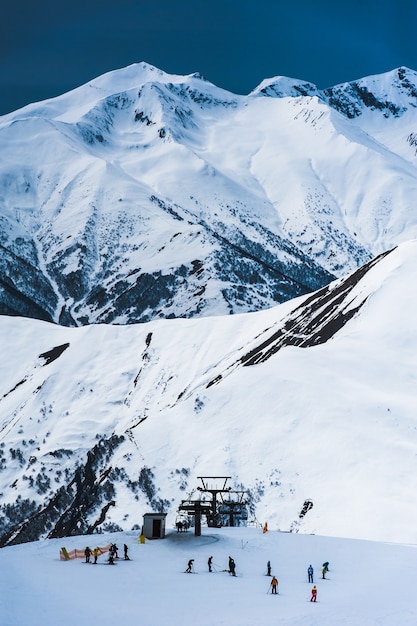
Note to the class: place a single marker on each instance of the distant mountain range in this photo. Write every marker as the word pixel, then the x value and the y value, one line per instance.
pixel 143 195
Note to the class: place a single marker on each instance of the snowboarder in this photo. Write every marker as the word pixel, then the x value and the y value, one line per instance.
pixel 274 584
pixel 313 594
pixel 209 563
pixel 310 573
pixel 125 549
pixel 232 566
pixel 323 572
pixel 326 566
pixel 87 553
pixel 189 566
pixel 268 568
pixel 111 558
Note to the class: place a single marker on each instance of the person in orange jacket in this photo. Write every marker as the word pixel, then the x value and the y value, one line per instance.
pixel 313 594
pixel 274 584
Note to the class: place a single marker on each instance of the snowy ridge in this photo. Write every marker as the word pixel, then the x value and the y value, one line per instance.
pixel 143 195
pixel 102 423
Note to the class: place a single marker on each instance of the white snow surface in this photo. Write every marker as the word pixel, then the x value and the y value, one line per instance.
pixel 368 583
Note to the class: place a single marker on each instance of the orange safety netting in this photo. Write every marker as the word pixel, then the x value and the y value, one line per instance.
pixel 66 555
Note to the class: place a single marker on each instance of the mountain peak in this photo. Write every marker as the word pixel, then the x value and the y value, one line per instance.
pixel 391 94
pixel 281 87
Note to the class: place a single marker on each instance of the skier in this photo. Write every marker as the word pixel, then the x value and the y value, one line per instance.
pixel 265 528
pixel 125 549
pixel 323 571
pixel 111 558
pixel 310 573
pixel 274 584
pixel 189 566
pixel 209 563
pixel 87 553
pixel 326 566
pixel 232 566
pixel 114 550
pixel 313 594
pixel 268 568
pixel 95 555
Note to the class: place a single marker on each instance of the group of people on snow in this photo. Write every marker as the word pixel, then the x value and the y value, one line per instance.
pixel 88 553
pixel 231 569
pixel 274 580
pixel 324 570
pixel 310 573
pixel 182 526
pixel 113 554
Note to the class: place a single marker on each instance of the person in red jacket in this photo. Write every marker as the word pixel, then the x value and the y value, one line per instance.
pixel 313 594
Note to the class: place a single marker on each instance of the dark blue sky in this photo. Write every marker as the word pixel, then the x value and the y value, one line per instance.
pixel 48 47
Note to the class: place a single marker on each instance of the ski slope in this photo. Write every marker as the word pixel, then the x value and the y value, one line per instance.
pixel 368 583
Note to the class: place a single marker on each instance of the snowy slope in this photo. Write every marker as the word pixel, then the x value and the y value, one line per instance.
pixel 368 583
pixel 313 399
pixel 143 195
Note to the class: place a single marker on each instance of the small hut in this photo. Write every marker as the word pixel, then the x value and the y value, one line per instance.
pixel 154 525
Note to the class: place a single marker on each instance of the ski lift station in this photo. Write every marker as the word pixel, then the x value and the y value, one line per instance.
pixel 224 506
pixel 154 525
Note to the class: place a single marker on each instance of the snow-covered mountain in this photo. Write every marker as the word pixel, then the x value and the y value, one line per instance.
pixel 143 195
pixel 311 400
